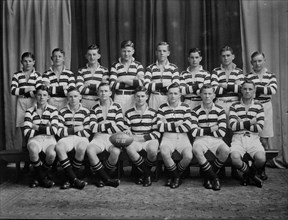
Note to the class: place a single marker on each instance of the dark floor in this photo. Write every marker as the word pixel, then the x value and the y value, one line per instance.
pixel 130 201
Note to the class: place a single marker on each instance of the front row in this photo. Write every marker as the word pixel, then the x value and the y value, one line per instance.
pixel 173 121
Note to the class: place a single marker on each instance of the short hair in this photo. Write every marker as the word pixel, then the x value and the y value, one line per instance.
pixel 256 53
pixel 248 81
pixel 72 88
pixel 141 89
pixel 163 43
pixel 126 43
pixel 93 47
pixel 58 50
pixel 226 48
pixel 195 50
pixel 174 85
pixel 103 84
pixel 27 54
pixel 43 88
pixel 207 86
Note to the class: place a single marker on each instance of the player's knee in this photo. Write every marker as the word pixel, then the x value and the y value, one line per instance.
pixel 197 150
pixel 33 149
pixel 115 151
pixel 235 156
pixel 164 150
pixel 81 148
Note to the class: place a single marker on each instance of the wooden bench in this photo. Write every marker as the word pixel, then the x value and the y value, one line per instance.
pixel 18 156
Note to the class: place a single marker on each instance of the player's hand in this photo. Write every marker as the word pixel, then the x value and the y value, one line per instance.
pixel 214 128
pixel 223 85
pixel 65 87
pixel 128 132
pixel 78 128
pixel 163 120
pixel 87 83
pixel 253 121
pixel 35 127
pixel 29 88
pixel 178 123
pixel 45 83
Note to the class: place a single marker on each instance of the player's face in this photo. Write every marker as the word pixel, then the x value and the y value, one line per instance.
pixel 248 90
pixel 162 53
pixel 58 58
pixel 194 59
pixel 174 95
pixel 258 63
pixel 92 56
pixel 207 95
pixel 28 63
pixel 227 58
pixel 74 98
pixel 127 53
pixel 42 97
pixel 141 98
pixel 104 93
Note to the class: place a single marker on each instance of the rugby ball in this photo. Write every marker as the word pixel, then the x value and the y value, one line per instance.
pixel 121 139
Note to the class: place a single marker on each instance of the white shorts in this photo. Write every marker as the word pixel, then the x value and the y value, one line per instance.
pixel 245 144
pixel 143 145
pixel 42 141
pixel 209 143
pixel 268 130
pixel 22 105
pixel 176 141
pixel 89 101
pixel 126 101
pixel 58 102
pixel 102 141
pixel 72 141
pixel 156 100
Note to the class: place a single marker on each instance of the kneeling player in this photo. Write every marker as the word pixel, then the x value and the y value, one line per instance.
pixel 74 131
pixel 209 127
pixel 141 121
pixel 247 120
pixel 40 126
pixel 106 119
pixel 174 119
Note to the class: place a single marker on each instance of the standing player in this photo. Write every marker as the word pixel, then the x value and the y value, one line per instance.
pixel 246 121
pixel 23 86
pixel 227 80
pixel 90 76
pixel 193 79
pixel 160 75
pixel 141 121
pixel 125 76
pixel 174 121
pixel 40 127
pixel 58 79
pixel 74 131
pixel 106 119
pixel 209 127
pixel 266 86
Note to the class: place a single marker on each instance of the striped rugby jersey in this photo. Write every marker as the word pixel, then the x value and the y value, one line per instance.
pixel 219 76
pixel 201 120
pixel 114 116
pixel 238 115
pixel 56 89
pixel 135 72
pixel 154 79
pixel 68 119
pixel 19 83
pixel 191 84
pixel 145 124
pixel 181 112
pixel 48 121
pixel 266 87
pixel 85 75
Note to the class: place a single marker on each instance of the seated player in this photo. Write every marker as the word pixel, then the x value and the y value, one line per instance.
pixel 246 121
pixel 40 127
pixel 106 119
pixel 141 121
pixel 209 126
pixel 74 131
pixel 174 121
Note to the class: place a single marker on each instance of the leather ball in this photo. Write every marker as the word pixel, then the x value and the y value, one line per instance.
pixel 121 139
